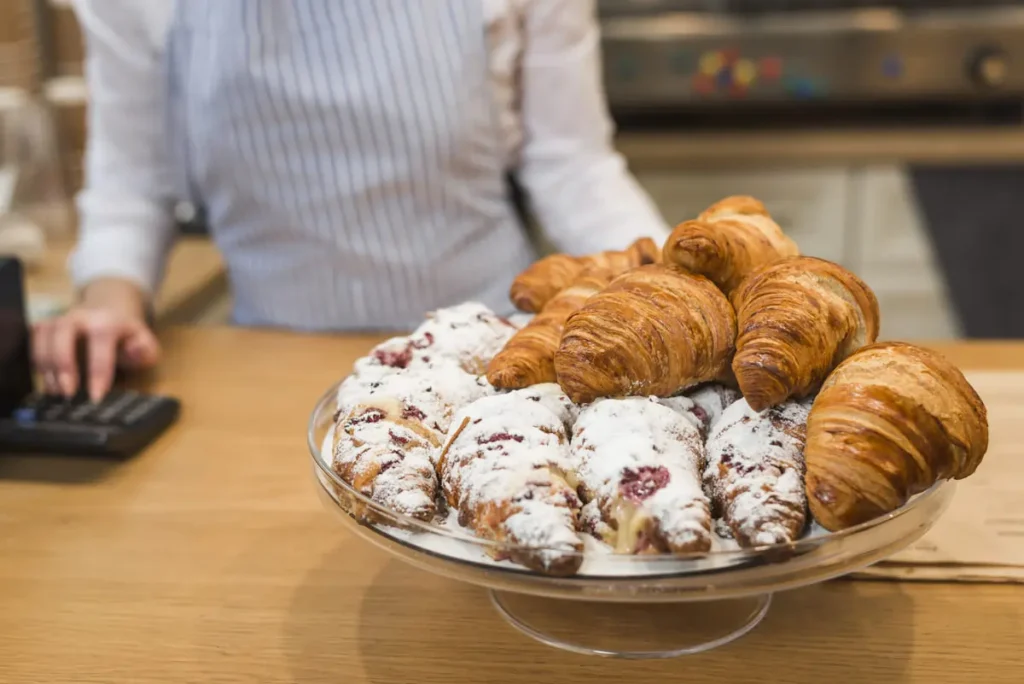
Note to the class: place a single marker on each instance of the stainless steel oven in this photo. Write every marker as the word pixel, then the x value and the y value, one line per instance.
pixel 958 57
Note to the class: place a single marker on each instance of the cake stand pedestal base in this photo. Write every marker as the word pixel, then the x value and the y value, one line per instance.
pixel 631 630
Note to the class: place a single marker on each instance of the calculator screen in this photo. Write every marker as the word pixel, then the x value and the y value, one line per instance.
pixel 15 361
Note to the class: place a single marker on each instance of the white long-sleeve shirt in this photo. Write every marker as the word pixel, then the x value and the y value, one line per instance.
pixel 542 99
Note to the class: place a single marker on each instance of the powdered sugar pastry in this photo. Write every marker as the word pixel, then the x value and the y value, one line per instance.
pixel 755 472
pixel 641 463
pixel 503 467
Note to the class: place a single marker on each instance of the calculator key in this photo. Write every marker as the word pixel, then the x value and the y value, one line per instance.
pixel 82 411
pixel 55 411
pixel 25 414
pixel 113 408
pixel 140 410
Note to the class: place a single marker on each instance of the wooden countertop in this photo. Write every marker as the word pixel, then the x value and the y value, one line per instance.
pixel 765 149
pixel 195 273
pixel 209 559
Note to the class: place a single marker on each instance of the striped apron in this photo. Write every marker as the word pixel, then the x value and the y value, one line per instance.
pixel 347 157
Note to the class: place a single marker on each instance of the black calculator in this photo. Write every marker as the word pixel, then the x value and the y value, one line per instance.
pixel 120 425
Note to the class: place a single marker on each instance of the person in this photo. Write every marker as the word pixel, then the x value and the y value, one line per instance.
pixel 351 159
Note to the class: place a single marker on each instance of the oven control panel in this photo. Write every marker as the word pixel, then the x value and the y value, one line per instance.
pixel 682 59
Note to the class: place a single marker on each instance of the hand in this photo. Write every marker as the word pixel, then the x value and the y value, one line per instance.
pixel 111 320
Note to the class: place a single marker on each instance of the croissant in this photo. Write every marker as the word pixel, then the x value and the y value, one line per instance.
pixel 388 431
pixel 529 357
pixel 797 319
pixel 639 464
pixel 653 331
pixel 641 252
pixel 728 241
pixel 468 334
pixel 890 421
pixel 755 472
pixel 503 468
pixel 538 284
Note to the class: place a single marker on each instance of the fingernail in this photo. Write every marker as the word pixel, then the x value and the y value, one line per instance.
pixel 66 384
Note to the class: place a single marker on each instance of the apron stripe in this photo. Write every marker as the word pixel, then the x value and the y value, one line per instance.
pixel 347 153
pixel 363 299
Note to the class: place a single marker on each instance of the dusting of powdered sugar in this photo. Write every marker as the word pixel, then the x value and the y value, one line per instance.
pixel 755 472
pixel 703 406
pixel 469 333
pixel 712 400
pixel 387 459
pixel 551 396
pixel 508 453
pixel 390 425
pixel 636 452
pixel 685 407
pixel 428 395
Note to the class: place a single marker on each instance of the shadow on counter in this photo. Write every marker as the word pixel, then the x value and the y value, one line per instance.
pixel 416 627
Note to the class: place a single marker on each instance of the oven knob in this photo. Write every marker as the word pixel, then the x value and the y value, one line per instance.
pixel 988 67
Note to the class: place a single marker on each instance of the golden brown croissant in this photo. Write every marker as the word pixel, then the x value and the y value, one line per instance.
pixel 542 280
pixel 728 241
pixel 889 422
pixel 642 251
pixel 797 319
pixel 529 357
pixel 653 331
pixel 534 287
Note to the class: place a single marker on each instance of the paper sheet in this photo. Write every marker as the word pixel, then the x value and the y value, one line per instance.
pixel 981 535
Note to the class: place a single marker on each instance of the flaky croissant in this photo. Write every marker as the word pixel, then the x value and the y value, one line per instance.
pixel 728 241
pixel 538 284
pixel 797 319
pixel 890 421
pixel 653 331
pixel 529 357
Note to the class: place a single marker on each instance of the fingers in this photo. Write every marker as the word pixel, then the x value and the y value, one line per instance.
pixel 42 334
pixel 102 356
pixel 54 349
pixel 63 357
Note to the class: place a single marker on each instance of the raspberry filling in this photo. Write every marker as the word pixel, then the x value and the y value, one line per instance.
pixel 394 359
pixel 428 339
pixel 413 413
pixel 499 437
pixel 637 485
pixel 368 416
pixel 700 414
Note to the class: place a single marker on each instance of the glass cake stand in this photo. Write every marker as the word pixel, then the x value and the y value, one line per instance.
pixel 622 605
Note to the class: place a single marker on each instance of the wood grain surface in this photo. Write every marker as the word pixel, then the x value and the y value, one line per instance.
pixel 209 559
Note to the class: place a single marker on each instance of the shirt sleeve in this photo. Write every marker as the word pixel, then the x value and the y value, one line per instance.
pixel 126 207
pixel 578 185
